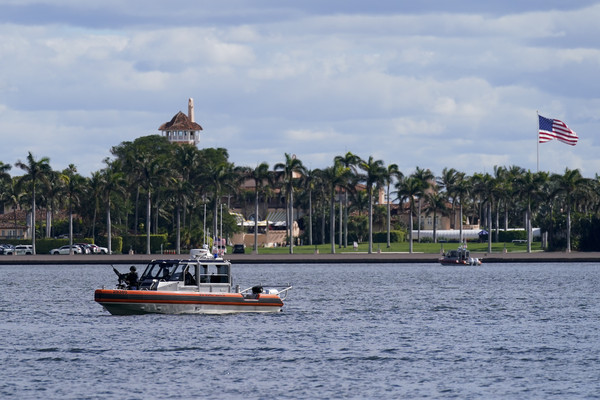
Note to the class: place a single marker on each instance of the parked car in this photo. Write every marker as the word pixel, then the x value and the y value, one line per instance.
pixel 238 249
pixel 20 249
pixel 4 248
pixel 98 249
pixel 66 249
pixel 85 248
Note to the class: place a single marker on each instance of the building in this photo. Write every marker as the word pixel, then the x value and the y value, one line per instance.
pixel 182 128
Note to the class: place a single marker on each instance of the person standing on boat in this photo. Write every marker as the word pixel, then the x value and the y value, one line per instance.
pixel 132 279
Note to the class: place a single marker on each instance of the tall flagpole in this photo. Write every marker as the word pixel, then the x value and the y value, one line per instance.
pixel 537 140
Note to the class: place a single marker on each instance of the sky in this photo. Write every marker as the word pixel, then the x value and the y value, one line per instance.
pixel 433 84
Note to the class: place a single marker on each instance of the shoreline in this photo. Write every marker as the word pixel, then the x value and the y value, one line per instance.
pixel 338 258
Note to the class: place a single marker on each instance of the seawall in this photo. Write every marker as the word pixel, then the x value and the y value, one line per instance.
pixel 339 258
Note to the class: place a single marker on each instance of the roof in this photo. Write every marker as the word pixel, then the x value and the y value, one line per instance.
pixel 180 122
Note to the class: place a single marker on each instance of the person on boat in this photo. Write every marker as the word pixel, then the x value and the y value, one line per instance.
pixel 188 277
pixel 132 279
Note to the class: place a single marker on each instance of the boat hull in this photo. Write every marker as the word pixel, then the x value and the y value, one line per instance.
pixel 445 261
pixel 130 302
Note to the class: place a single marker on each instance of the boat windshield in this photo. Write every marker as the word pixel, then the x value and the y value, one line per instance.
pixel 159 270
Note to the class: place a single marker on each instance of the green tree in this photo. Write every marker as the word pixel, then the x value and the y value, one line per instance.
pixel 392 173
pixel 408 189
pixel 291 171
pixel 333 177
pixel 424 178
pixel 435 202
pixel 375 176
pixel 350 161
pixel 112 183
pixel 73 186
pixel 568 184
pixel 35 171
pixel 529 187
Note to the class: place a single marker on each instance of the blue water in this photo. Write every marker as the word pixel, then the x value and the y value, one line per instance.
pixel 525 331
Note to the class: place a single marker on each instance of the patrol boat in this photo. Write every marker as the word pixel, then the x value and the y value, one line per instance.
pixel 200 285
pixel 461 256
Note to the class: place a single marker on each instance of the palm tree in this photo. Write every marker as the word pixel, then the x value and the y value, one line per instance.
pixel 333 177
pixel 436 202
pixel 424 177
pixel 4 175
pixel 375 176
pixel 350 161
pixel 94 192
pixel 310 182
pixel 187 159
pixel 392 172
pixel 73 183
pixel 180 191
pixel 289 169
pixel 408 189
pixel 112 181
pixel 260 175
pixel 13 194
pixel 461 191
pixel 154 174
pixel 486 186
pixel 35 171
pixel 568 184
pixel 529 187
pixel 447 181
pixel 218 174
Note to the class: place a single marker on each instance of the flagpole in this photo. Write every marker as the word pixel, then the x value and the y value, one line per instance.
pixel 537 139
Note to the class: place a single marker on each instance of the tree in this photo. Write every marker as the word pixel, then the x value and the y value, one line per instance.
pixel 112 182
pixel 73 185
pixel 408 189
pixel 568 184
pixel 375 176
pixel 154 173
pixel 392 172
pixel 350 161
pixel 486 187
pixel 424 178
pixel 529 187
pixel 216 174
pixel 333 177
pixel 13 194
pixel 35 172
pixel 447 181
pixel 260 175
pixel 436 202
pixel 289 169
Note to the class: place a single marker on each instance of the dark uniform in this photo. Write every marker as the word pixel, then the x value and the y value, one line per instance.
pixel 132 279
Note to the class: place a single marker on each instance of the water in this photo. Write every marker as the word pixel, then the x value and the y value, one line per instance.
pixel 348 331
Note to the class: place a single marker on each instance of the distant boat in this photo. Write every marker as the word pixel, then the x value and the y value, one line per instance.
pixel 460 256
pixel 200 285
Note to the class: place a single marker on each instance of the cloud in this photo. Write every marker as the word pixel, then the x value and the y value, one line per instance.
pixel 431 86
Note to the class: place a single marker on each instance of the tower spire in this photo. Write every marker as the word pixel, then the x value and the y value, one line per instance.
pixel 191 109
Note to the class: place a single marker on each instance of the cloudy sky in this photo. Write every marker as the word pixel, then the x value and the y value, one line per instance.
pixel 434 83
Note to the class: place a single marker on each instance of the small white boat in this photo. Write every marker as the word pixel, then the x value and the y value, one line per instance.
pixel 200 285
pixel 461 256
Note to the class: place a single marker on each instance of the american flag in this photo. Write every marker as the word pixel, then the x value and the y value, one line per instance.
pixel 556 129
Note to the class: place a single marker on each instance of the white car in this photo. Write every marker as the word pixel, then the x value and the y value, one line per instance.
pixel 66 249
pixel 98 249
pixel 20 249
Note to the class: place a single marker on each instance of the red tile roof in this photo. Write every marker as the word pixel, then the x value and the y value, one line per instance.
pixel 180 122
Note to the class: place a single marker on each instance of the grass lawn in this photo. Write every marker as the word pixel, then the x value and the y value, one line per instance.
pixel 430 248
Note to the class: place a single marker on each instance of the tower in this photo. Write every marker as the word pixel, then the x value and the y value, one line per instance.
pixel 182 128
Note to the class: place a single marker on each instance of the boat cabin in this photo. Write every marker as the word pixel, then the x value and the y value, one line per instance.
pixel 193 275
pixel 461 254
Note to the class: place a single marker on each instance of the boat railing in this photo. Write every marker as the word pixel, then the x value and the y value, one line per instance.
pixel 281 289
